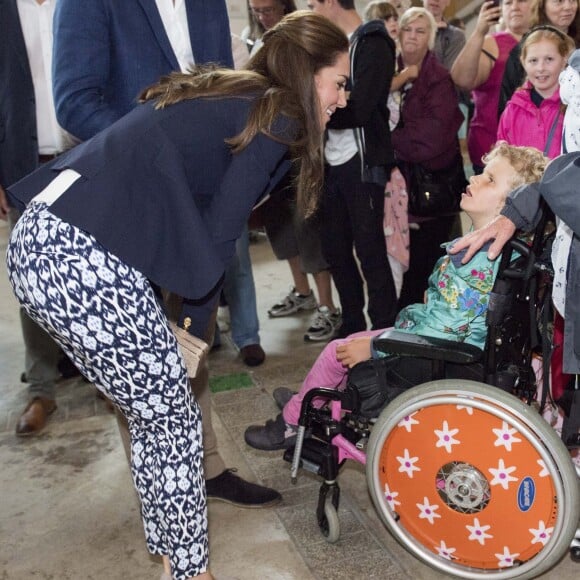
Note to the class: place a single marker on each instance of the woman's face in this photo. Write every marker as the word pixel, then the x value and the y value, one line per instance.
pixel 485 195
pixel 330 83
pixel 543 65
pixel 392 26
pixel 517 15
pixel 267 12
pixel 414 37
pixel 561 13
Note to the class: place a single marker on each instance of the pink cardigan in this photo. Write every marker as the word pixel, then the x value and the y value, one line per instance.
pixel 524 124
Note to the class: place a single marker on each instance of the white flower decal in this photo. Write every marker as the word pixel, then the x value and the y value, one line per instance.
pixel 466 408
pixel 408 422
pixel 477 532
pixel 542 534
pixel 445 437
pixel 408 464
pixel 544 471
pixel 506 559
pixel 505 436
pixel 444 551
pixel 427 511
pixel 501 475
pixel 390 497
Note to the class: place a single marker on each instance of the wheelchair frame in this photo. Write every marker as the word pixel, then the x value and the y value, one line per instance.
pixel 458 489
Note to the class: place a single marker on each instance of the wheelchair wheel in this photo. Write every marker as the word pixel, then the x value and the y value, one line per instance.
pixel 330 524
pixel 472 481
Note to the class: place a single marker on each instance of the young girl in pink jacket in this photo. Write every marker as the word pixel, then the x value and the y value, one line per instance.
pixel 534 115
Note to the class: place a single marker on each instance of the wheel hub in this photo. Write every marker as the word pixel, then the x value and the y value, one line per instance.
pixel 463 487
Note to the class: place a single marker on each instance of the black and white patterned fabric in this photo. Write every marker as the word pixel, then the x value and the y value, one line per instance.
pixel 105 316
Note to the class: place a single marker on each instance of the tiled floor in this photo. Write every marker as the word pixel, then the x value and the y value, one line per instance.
pixel 68 509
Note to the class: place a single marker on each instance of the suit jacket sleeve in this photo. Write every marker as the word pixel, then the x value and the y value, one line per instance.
pixel 81 57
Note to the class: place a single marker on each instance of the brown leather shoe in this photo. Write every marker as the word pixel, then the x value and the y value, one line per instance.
pixel 34 418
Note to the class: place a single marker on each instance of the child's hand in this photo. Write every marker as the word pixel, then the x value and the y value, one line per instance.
pixel 354 351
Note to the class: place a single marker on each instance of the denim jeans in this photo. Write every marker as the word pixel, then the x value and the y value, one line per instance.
pixel 240 295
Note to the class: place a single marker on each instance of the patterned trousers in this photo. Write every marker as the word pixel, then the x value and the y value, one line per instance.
pixel 107 319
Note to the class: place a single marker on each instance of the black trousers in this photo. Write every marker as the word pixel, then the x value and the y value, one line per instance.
pixel 352 215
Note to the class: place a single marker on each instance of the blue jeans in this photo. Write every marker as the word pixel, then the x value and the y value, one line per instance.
pixel 240 294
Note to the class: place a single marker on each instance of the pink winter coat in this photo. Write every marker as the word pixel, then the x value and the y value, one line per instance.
pixel 524 124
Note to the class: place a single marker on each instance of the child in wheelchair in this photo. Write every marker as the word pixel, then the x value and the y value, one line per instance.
pixel 456 301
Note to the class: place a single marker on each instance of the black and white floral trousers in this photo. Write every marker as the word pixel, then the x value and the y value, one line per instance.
pixel 105 316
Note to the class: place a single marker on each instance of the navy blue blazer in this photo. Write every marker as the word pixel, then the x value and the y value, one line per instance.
pixel 107 51
pixel 18 133
pixel 162 190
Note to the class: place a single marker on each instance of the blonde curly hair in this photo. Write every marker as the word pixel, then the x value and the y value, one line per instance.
pixel 529 163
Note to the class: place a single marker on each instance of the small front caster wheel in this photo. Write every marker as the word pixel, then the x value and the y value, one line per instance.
pixel 329 523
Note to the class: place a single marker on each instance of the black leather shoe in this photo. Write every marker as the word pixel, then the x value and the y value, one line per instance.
pixel 253 355
pixel 230 488
pixel 272 436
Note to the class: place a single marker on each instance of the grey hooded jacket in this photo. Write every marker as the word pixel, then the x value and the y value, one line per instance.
pixel 560 187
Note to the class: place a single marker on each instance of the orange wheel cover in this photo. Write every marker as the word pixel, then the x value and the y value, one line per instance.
pixel 506 506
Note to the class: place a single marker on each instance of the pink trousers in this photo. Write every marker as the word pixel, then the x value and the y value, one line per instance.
pixel 327 372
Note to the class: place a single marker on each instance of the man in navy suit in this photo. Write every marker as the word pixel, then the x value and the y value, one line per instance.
pixel 29 136
pixel 105 53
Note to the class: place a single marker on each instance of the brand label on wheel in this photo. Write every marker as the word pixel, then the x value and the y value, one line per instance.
pixel 526 494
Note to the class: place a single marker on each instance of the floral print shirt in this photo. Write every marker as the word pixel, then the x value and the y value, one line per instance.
pixel 456 301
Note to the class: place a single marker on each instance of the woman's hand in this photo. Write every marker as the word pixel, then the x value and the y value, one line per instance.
pixel 500 229
pixel 410 73
pixel 354 351
pixel 488 16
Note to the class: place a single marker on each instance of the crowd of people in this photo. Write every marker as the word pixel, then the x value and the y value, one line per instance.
pixel 318 132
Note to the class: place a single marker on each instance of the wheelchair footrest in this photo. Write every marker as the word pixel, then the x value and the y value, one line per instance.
pixel 317 457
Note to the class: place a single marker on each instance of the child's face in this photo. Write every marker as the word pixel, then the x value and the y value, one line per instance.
pixel 485 195
pixel 543 64
pixel 392 26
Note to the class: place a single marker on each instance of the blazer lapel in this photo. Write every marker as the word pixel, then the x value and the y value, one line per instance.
pixel 17 38
pixel 150 9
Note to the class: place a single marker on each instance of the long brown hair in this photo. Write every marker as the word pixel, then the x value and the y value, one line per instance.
pixel 280 77
pixel 539 16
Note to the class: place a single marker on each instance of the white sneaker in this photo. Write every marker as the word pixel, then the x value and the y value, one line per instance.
pixel 324 325
pixel 293 303
pixel 223 319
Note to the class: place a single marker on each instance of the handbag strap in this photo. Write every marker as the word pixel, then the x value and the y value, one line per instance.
pixel 551 133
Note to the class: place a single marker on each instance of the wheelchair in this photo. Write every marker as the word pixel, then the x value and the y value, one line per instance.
pixel 466 474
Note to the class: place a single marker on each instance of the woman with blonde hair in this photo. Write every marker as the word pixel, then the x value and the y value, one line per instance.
pixel 426 137
pixel 157 200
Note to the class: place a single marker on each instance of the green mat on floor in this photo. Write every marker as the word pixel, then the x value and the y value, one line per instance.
pixel 230 382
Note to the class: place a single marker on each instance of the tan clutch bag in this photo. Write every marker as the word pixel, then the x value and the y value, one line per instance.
pixel 192 348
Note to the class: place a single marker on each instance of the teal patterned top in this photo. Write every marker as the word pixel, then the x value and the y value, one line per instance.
pixel 457 301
